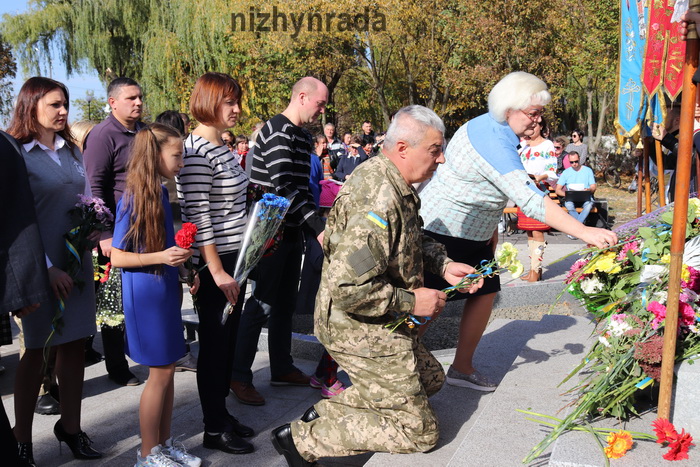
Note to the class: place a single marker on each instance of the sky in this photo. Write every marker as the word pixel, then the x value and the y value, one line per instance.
pixel 78 84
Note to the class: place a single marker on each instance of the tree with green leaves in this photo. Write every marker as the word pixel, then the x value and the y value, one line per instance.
pixel 91 108
pixel 8 68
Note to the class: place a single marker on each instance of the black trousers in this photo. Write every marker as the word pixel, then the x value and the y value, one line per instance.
pixel 113 341
pixel 217 343
pixel 8 443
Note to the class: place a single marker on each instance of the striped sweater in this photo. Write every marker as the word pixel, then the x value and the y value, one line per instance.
pixel 282 164
pixel 211 188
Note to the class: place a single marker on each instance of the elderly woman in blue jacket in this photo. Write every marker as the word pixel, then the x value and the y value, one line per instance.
pixel 463 202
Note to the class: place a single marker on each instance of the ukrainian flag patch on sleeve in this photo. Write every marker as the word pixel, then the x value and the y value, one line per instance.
pixel 377 220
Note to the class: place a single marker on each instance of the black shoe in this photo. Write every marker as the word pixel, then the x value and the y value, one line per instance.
pixel 240 429
pixel 79 443
pixel 92 356
pixel 47 405
pixel 309 415
pixel 125 378
pixel 227 442
pixel 55 393
pixel 25 455
pixel 281 438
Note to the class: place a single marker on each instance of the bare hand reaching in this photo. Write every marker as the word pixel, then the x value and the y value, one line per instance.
pixel 601 238
pixel 455 272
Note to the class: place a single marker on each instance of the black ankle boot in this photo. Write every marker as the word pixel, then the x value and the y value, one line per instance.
pixel 78 443
pixel 25 454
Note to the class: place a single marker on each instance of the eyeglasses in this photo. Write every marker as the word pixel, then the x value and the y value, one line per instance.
pixel 533 115
pixel 574 162
pixel 574 135
pixel 557 147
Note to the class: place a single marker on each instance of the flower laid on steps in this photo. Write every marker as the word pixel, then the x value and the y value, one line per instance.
pixel 618 444
pixel 678 444
pixel 625 287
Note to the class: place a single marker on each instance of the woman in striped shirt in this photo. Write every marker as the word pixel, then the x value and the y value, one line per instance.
pixel 212 192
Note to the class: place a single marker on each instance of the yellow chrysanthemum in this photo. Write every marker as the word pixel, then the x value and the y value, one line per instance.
pixel 618 444
pixel 685 273
pixel 605 262
pixel 665 259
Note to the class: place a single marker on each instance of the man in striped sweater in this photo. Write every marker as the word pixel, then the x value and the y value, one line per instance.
pixel 281 165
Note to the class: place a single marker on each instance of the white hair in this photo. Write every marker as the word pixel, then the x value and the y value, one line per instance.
pixel 410 124
pixel 517 91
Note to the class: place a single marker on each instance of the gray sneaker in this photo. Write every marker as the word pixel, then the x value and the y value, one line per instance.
pixel 186 363
pixel 473 381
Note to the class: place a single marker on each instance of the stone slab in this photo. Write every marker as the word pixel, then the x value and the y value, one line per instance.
pixel 503 437
pixel 458 409
pixel 685 397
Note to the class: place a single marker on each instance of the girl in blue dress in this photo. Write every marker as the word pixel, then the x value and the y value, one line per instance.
pixel 144 247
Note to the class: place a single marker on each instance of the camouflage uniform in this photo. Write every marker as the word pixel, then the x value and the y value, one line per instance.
pixel 374 255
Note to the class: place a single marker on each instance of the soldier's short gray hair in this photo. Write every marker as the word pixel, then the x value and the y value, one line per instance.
pixel 410 124
pixel 517 91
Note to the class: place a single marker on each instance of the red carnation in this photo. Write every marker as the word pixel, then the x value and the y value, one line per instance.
pixel 108 269
pixel 184 238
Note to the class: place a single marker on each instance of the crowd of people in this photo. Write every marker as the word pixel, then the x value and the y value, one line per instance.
pixel 374 247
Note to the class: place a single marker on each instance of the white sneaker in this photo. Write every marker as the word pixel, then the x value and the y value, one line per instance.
pixel 177 452
pixel 155 459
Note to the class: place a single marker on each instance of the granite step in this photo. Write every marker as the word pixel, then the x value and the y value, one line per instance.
pixel 458 409
pixel 501 436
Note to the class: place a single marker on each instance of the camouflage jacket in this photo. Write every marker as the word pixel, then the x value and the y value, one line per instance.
pixel 374 255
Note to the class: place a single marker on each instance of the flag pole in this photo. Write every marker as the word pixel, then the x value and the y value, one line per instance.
pixel 680 214
pixel 660 174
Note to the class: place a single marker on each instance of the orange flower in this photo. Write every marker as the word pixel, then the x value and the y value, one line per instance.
pixel 618 444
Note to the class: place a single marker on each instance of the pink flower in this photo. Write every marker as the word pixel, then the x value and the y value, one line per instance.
pixel 694 281
pixel 631 246
pixel 659 312
pixel 686 314
pixel 573 272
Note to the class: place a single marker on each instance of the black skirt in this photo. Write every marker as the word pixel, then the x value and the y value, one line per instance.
pixel 470 252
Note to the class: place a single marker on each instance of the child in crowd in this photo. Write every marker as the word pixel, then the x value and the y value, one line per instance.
pixel 144 247
pixel 241 151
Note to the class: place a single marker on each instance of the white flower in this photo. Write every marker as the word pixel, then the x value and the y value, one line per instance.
pixel 652 272
pixel 591 285
pixel 660 297
pixel 691 253
pixel 603 341
pixel 694 329
pixel 617 328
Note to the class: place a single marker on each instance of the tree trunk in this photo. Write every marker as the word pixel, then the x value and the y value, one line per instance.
pixel 410 81
pixel 589 119
pixel 602 112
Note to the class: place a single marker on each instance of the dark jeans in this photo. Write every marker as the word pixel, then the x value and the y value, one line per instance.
pixel 216 346
pixel 273 300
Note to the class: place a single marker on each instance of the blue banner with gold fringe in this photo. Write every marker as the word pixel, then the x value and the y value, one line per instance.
pixel 630 94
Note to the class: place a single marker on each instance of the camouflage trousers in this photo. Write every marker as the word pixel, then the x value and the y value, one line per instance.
pixel 385 410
